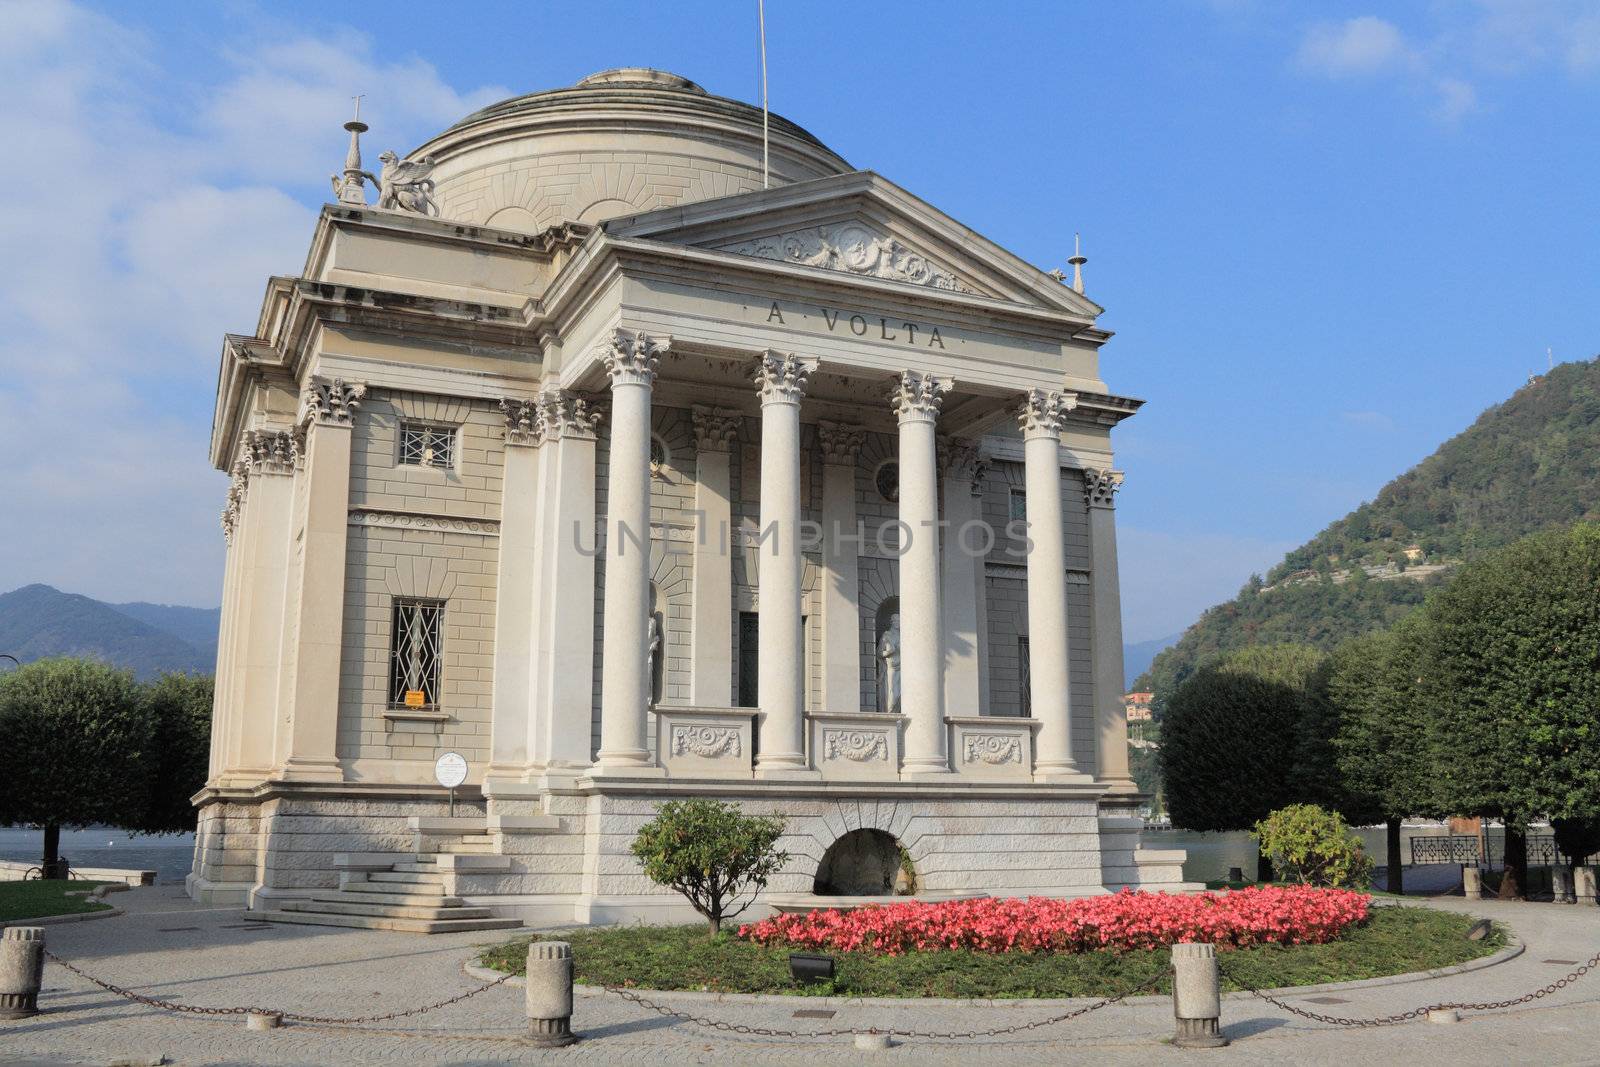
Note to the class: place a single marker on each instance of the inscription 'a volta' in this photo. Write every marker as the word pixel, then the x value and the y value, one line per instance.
pixel 880 327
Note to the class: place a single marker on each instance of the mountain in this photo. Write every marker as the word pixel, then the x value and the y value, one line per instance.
pixel 1528 464
pixel 38 621
pixel 1137 657
pixel 192 626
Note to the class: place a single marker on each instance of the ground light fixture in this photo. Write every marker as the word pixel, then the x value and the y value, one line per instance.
pixel 809 968
pixel 1480 930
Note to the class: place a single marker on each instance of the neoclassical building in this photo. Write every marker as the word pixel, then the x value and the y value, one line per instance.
pixel 626 474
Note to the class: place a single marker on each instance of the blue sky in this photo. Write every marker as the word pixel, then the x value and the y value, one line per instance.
pixel 1327 235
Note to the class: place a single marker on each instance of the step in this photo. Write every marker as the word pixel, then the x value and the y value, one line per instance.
pixel 416 889
pixel 396 911
pixel 464 863
pixel 447 824
pixel 416 878
pixel 379 922
pixel 355 893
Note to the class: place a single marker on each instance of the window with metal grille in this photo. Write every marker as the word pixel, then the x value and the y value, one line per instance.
pixel 1019 505
pixel 427 446
pixel 414 653
pixel 1025 671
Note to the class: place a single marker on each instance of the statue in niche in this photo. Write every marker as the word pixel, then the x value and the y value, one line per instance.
pixel 652 659
pixel 889 668
pixel 406 185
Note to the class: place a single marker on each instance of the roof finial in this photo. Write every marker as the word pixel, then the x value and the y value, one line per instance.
pixel 1077 261
pixel 349 189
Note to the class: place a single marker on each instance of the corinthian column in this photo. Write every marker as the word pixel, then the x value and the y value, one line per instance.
pixel 711 674
pixel 1111 717
pixel 631 360
pixel 961 578
pixel 916 403
pixel 780 680
pixel 841 590
pixel 1042 416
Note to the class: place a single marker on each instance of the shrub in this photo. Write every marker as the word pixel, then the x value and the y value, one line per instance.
pixel 1286 915
pixel 1314 847
pixel 712 853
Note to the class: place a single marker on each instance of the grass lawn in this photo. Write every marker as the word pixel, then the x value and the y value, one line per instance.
pixel 33 900
pixel 1394 940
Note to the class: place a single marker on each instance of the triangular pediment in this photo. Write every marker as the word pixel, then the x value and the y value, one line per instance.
pixel 861 225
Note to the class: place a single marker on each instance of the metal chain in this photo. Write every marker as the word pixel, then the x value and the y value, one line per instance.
pixel 195 1009
pixel 941 1035
pixel 1421 1012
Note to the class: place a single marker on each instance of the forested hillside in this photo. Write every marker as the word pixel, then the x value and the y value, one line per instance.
pixel 1528 464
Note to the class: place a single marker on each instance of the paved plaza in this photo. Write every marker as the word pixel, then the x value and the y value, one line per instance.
pixel 167 947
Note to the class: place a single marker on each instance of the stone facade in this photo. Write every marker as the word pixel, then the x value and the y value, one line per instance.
pixel 633 509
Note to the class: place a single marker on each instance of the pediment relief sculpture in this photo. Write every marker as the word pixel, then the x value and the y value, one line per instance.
pixel 854 248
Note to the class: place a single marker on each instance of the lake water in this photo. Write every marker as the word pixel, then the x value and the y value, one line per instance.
pixel 169 855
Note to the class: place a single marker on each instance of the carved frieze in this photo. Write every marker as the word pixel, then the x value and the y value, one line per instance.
pixel 841 441
pixel 632 358
pixel 854 248
pixel 916 396
pixel 270 451
pixel 858 746
pixel 715 428
pixel 1100 487
pixel 992 749
pixel 331 401
pixel 781 378
pixel 1044 412
pixel 707 742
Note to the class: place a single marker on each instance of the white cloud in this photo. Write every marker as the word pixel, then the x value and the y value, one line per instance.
pixel 132 245
pixel 1358 46
pixel 1168 579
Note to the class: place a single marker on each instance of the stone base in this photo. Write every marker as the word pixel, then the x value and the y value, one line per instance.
pixel 564 856
pixel 550 1033
pixel 19 1005
pixel 1199 1033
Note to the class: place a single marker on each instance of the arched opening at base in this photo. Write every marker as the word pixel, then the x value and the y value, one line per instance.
pixel 862 863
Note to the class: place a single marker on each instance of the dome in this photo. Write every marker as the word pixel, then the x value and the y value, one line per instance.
pixel 618 142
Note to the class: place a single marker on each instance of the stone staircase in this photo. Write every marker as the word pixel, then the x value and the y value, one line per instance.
pixel 410 892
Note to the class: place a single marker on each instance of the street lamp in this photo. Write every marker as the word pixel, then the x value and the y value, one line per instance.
pixel 14 660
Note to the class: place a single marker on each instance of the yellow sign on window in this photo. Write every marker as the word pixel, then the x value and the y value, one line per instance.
pixel 415 698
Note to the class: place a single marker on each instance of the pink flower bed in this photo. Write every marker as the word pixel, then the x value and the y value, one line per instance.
pixel 1284 915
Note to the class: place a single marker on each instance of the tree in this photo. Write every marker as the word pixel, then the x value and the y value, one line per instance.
pixel 1313 846
pixel 76 736
pixel 712 853
pixel 1232 749
pixel 1380 732
pixel 180 709
pixel 1512 650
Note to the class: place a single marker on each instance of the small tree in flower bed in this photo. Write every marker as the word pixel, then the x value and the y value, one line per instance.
pixel 712 853
pixel 1284 915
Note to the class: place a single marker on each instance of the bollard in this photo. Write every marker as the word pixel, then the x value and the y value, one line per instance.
pixel 262 1020
pixel 1585 883
pixel 1443 1015
pixel 873 1042
pixel 1471 882
pixel 1196 996
pixel 1561 884
pixel 21 970
pixel 550 993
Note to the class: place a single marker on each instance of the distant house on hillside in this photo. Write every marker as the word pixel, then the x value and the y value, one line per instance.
pixel 1138 705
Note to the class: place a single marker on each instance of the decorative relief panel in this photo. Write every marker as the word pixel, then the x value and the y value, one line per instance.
pixel 992 748
pixel 856 745
pixel 853 248
pixel 707 742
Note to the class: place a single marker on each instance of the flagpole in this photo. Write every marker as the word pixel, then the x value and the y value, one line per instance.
pixel 761 13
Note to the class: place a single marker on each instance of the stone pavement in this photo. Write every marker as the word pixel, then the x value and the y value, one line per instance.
pixel 169 948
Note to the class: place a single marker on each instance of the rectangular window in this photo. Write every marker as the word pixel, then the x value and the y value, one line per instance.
pixel 414 653
pixel 1019 505
pixel 749 659
pixel 422 445
pixel 1025 672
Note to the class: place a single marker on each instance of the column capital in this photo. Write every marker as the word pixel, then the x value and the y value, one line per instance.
pixel 632 358
pixel 841 441
pixel 959 457
pixel 781 378
pixel 564 414
pixel 330 401
pixel 522 420
pixel 715 428
pixel 1100 487
pixel 270 452
pixel 234 502
pixel 1043 413
pixel 916 397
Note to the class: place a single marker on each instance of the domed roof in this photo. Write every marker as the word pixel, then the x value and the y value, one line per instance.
pixel 618 142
